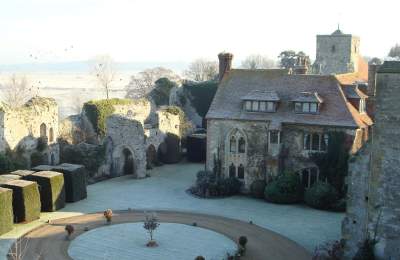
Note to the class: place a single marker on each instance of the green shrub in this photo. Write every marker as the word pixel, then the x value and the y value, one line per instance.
pixel 10 162
pixel 52 191
pixel 74 180
pixel 5 163
pixel 339 205
pixel 201 95
pixel 321 196
pixel 37 158
pixel 169 151
pixel 207 185
pixel 257 189
pixel 41 144
pixel 161 91
pixel 97 112
pixel 243 241
pixel 6 210
pixel 286 189
pixel 26 200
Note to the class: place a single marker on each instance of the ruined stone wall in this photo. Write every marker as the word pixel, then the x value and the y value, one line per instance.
pixel 125 135
pixel 140 110
pixel 20 123
pixel 337 54
pixel 169 123
pixel 377 214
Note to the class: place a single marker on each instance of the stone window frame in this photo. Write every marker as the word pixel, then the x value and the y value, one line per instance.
pixel 309 139
pixel 272 140
pixel 362 106
pixel 305 107
pixel 236 134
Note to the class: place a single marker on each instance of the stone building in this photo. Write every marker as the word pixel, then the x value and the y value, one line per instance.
pixel 373 204
pixel 338 53
pixel 262 122
pixel 20 128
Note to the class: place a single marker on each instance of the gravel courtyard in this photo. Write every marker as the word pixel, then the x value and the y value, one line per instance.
pixel 165 190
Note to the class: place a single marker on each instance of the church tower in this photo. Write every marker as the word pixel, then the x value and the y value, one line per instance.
pixel 337 53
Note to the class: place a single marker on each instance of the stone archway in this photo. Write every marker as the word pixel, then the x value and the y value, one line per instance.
pixel 123 161
pixel 151 157
pixel 129 165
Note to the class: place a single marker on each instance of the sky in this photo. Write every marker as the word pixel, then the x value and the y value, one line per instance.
pixel 42 31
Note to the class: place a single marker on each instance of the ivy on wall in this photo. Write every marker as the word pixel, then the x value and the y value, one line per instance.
pixel 97 112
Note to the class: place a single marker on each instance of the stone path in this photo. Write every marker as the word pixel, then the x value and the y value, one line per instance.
pixel 49 241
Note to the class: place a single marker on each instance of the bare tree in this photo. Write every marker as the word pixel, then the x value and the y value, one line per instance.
pixel 104 71
pixel 20 248
pixel 143 82
pixel 151 224
pixel 202 70
pixel 18 90
pixel 257 61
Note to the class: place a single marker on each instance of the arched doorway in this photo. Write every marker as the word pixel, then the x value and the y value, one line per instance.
pixel 43 130
pixel 151 157
pixel 52 159
pixel 128 167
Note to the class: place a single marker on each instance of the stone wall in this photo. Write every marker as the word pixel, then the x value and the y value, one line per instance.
pixel 125 147
pixel 262 158
pixel 21 127
pixel 377 213
pixel 337 54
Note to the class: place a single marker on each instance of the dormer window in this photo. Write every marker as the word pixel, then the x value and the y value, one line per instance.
pixel 307 103
pixel 260 101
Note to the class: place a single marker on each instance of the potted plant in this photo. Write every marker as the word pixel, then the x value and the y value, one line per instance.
pixel 108 215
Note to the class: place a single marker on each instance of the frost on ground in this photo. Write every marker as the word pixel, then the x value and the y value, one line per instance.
pixel 165 189
pixel 128 241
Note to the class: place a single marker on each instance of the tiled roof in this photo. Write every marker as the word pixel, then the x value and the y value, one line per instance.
pixel 237 83
pixel 262 96
pixel 308 97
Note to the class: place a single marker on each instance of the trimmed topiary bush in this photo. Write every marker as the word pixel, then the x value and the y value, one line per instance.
pixel 285 189
pixel 196 147
pixel 257 189
pixel 52 191
pixel 321 196
pixel 74 180
pixel 6 210
pixel 207 185
pixel 37 158
pixel 26 200
pixel 228 186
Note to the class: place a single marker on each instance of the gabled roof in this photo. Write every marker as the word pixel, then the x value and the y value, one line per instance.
pixel 237 83
pixel 260 95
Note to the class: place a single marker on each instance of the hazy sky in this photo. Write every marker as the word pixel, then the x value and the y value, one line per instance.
pixel 181 30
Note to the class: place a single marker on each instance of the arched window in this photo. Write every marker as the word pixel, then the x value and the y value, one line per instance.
pixel 51 135
pixel 241 172
pixel 232 170
pixel 232 144
pixel 43 130
pixel 242 145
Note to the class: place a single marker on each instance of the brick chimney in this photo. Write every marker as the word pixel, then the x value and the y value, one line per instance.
pixel 225 63
pixel 301 66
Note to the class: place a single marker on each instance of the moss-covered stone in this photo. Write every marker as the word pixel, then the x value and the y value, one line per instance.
pixel 74 180
pixel 52 191
pixel 8 177
pixel 6 210
pixel 26 200
pixel 97 112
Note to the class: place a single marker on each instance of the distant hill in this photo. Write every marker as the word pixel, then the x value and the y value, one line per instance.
pixel 83 66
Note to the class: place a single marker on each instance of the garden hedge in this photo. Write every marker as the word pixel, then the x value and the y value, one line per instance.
pixel 52 191
pixel 286 189
pixel 74 181
pixel 26 200
pixel 6 210
pixel 196 147
pixel 170 150
pixel 40 168
pixel 8 177
pixel 22 173
pixel 321 196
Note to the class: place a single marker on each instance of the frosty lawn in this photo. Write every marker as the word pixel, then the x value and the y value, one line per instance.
pixel 128 241
pixel 165 189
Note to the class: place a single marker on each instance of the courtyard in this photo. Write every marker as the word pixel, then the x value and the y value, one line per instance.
pixel 165 190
